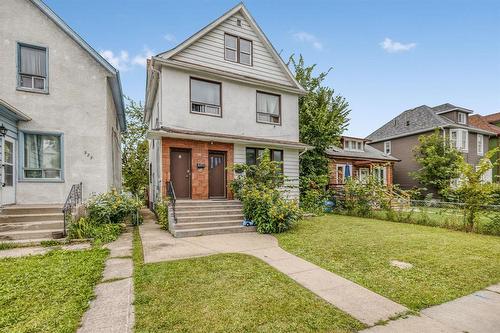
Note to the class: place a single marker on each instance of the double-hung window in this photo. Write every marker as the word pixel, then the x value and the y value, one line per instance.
pixel 237 49
pixel 459 139
pixel 462 118
pixel 387 147
pixel 42 156
pixel 206 97
pixel 268 108
pixel 32 68
pixel 480 145
pixel 353 145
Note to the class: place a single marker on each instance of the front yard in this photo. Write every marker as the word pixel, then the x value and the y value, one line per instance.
pixel 227 293
pixel 48 293
pixel 447 264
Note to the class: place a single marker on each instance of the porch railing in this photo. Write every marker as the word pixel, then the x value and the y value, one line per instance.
pixel 172 197
pixel 72 201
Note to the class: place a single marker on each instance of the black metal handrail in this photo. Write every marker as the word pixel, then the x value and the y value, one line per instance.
pixel 74 199
pixel 172 197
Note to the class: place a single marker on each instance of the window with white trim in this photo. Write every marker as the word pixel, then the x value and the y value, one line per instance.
pixel 480 144
pixel 42 156
pixel 32 67
pixel 205 97
pixel 387 147
pixel 459 139
pixel 353 145
pixel 462 118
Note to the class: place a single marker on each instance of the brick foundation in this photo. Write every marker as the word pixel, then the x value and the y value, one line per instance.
pixel 199 154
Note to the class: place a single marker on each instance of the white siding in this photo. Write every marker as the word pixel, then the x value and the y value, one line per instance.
pixel 290 165
pixel 209 51
pixel 239 110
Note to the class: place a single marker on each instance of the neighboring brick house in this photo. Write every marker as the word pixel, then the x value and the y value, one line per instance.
pixel 357 160
pixel 400 135
pixel 220 97
pixel 490 123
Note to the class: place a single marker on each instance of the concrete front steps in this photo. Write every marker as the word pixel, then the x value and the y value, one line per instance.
pixel 30 223
pixel 208 217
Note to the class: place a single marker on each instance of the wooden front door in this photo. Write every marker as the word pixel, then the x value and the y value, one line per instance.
pixel 180 172
pixel 217 175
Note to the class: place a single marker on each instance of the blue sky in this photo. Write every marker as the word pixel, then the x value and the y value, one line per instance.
pixel 387 56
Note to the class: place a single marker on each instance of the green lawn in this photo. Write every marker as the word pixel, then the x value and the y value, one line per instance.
pixel 228 293
pixel 48 293
pixel 447 264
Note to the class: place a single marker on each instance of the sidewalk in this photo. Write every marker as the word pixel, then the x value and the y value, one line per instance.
pixel 112 310
pixel 361 303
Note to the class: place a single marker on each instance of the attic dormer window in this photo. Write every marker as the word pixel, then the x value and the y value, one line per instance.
pixel 237 49
pixel 462 118
pixel 353 145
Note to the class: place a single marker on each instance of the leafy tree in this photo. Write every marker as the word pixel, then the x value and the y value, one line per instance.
pixel 323 117
pixel 439 161
pixel 135 149
pixel 473 191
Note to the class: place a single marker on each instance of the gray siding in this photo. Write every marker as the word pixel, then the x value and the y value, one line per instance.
pixel 209 51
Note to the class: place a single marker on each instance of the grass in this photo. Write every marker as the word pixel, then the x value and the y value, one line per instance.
pixel 48 293
pixel 447 264
pixel 227 293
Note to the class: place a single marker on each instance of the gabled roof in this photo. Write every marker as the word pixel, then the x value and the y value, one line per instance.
pixel 368 153
pixel 115 83
pixel 447 107
pixel 246 14
pixel 481 122
pixel 492 118
pixel 418 120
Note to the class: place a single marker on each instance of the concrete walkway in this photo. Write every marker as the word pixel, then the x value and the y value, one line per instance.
pixel 475 313
pixel 36 250
pixel 361 303
pixel 112 310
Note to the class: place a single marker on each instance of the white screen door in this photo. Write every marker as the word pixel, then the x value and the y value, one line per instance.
pixel 8 194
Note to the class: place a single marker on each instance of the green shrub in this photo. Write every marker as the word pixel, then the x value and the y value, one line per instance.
pixel 314 193
pixel 113 207
pixel 86 228
pixel 161 209
pixel 260 189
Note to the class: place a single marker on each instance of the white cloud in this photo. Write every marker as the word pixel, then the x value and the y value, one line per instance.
pixel 119 61
pixel 123 62
pixel 392 46
pixel 170 38
pixel 141 58
pixel 306 37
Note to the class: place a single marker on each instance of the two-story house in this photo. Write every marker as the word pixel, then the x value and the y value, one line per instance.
pixel 491 123
pixel 219 98
pixel 400 135
pixel 61 112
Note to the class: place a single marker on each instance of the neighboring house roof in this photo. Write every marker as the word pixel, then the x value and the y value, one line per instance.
pixel 14 113
pixel 492 118
pixel 115 83
pixel 220 137
pixel 481 122
pixel 368 153
pixel 246 14
pixel 447 107
pixel 419 120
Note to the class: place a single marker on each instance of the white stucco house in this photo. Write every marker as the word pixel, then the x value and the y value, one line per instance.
pixel 61 104
pixel 220 97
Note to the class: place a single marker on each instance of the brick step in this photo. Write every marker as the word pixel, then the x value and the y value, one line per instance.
pixel 204 225
pixel 26 226
pixel 182 203
pixel 210 207
pixel 185 213
pixel 209 218
pixel 31 217
pixel 212 231
pixel 24 235
pixel 30 209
